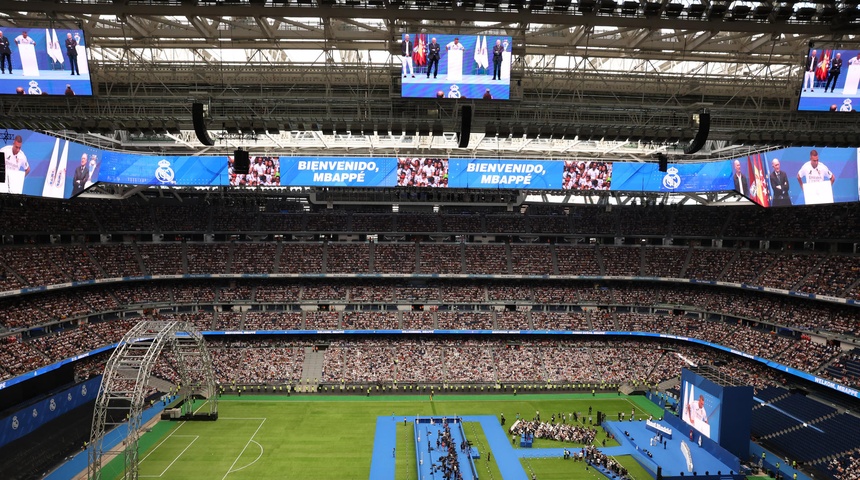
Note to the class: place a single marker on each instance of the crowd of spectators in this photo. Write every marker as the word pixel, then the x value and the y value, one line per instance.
pixel 559 430
pixel 449 462
pixel 846 467
pixel 833 275
pixel 601 460
pixel 394 257
pixel 254 257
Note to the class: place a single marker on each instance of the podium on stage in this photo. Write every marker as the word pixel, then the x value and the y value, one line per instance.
pixel 852 80
pixel 14 182
pixel 817 193
pixel 83 66
pixel 455 65
pixel 29 65
pixel 506 65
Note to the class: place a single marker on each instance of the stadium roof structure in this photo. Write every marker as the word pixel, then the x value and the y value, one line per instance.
pixel 603 79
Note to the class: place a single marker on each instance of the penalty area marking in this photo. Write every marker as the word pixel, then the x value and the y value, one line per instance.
pixel 195 438
pixel 255 460
pixel 262 421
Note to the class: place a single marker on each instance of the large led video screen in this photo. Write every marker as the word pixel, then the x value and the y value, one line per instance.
pixel 797 176
pixel 830 80
pixel 262 172
pixel 44 61
pixel 455 66
pixel 168 170
pixel 44 166
pixel 701 404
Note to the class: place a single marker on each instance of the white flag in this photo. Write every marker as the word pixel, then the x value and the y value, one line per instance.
pixel 484 56
pixel 58 51
pixel 478 52
pixel 51 177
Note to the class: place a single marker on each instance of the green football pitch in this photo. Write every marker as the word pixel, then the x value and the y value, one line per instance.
pixel 332 437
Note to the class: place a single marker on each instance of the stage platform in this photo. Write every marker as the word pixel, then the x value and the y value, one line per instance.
pixel 671 459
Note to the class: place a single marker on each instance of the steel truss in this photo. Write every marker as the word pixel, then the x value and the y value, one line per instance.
pixel 124 385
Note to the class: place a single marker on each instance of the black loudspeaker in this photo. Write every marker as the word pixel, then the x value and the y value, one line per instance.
pixel 701 136
pixel 200 124
pixel 663 162
pixel 659 472
pixel 465 125
pixel 2 167
pixel 241 162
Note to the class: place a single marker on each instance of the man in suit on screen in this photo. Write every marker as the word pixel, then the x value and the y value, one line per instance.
pixel 833 72
pixel 741 182
pixel 433 50
pixel 498 50
pixel 780 185
pixel 80 177
pixel 5 54
pixel 72 52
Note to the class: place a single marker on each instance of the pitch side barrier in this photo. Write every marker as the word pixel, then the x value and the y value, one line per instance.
pixel 419 276
pixel 236 333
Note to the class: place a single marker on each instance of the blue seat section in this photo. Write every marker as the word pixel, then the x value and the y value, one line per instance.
pixel 829 437
pixel 767 420
pixel 770 393
pixel 846 370
pixel 806 409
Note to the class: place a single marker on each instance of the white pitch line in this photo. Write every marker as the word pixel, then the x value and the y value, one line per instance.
pixel 255 460
pixel 243 450
pixel 196 437
pixel 162 442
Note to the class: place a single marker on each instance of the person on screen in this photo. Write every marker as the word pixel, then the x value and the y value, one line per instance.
pixel 814 171
pixel 833 72
pixel 855 60
pixel 433 50
pixel 24 39
pixel 72 53
pixel 696 412
pixel 406 50
pixel 455 45
pixel 498 50
pixel 5 54
pixel 741 182
pixel 809 71
pixel 780 185
pixel 16 160
pixel 80 177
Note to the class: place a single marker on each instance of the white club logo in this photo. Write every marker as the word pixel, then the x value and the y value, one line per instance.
pixel 454 92
pixel 84 391
pixel 69 396
pixel 34 88
pixel 52 405
pixel 164 174
pixel 35 413
pixel 846 106
pixel 672 180
pixel 15 422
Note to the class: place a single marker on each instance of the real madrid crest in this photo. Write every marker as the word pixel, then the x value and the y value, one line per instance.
pixel 34 88
pixel 164 174
pixel 672 180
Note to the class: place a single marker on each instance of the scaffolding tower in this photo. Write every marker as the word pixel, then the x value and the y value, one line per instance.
pixel 122 394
